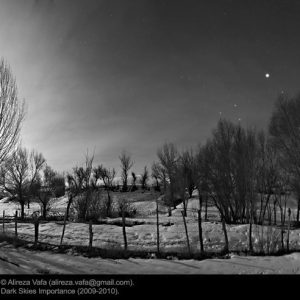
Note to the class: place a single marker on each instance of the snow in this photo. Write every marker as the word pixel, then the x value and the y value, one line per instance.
pixel 143 237
pixel 23 261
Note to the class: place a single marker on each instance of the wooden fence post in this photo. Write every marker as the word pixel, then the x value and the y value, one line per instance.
pixel 288 233
pixel 186 232
pixel 157 227
pixel 200 232
pixel 70 200
pixel 124 230
pixel 36 231
pixel 250 235
pixel 200 223
pixel 16 224
pixel 3 222
pixel 91 235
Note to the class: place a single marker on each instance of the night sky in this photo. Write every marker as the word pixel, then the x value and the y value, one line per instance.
pixel 133 74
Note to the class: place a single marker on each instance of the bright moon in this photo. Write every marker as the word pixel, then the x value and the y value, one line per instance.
pixel 267 75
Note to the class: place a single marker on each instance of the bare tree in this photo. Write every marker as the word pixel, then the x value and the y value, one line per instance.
pixel 198 173
pixel 284 128
pixel 281 195
pixel 134 179
pixel 267 172
pixel 80 184
pixel 144 178
pixel 168 156
pixel 156 173
pixel 126 165
pixel 107 176
pixel 11 111
pixel 84 177
pixel 232 156
pixel 188 164
pixel 51 185
pixel 20 172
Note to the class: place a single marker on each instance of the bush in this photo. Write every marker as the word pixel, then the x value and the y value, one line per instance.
pixel 88 206
pixel 129 210
pixel 267 239
pixel 93 207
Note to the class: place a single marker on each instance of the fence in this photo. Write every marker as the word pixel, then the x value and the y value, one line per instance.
pixel 177 234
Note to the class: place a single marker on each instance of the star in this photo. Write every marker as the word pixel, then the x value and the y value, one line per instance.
pixel 267 75
pixel 235 105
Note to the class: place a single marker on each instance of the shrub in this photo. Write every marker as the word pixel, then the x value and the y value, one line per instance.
pixel 267 239
pixel 89 206
pixel 129 210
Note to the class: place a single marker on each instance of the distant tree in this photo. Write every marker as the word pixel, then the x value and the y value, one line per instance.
pixel 51 185
pixel 82 181
pixel 180 184
pixel 11 111
pixel 199 173
pixel 188 165
pixel 268 172
pixel 144 178
pixel 20 173
pixel 156 174
pixel 232 160
pixel 134 179
pixel 168 157
pixel 126 165
pixel 79 190
pixel 107 176
pixel 284 129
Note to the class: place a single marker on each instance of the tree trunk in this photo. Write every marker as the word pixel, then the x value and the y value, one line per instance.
pixel 275 211
pixel 157 185
pixel 22 210
pixel 44 211
pixel 157 227
pixel 282 239
pixel 261 209
pixel 36 231
pixel 226 247
pixel 206 204
pixel 91 235
pixel 169 211
pixel 191 189
pixel 298 210
pixel 250 236
pixel 184 205
pixel 3 222
pixel 270 214
pixel 16 224
pixel 266 205
pixel 108 204
pixel 68 207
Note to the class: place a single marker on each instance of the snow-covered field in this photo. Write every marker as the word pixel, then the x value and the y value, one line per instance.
pixel 172 239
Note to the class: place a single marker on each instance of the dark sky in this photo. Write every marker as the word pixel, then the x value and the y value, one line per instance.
pixel 132 74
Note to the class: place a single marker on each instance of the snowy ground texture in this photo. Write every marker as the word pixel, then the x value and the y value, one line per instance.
pixel 144 237
pixel 23 261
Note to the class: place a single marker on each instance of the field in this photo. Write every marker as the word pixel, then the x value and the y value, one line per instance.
pixel 142 237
